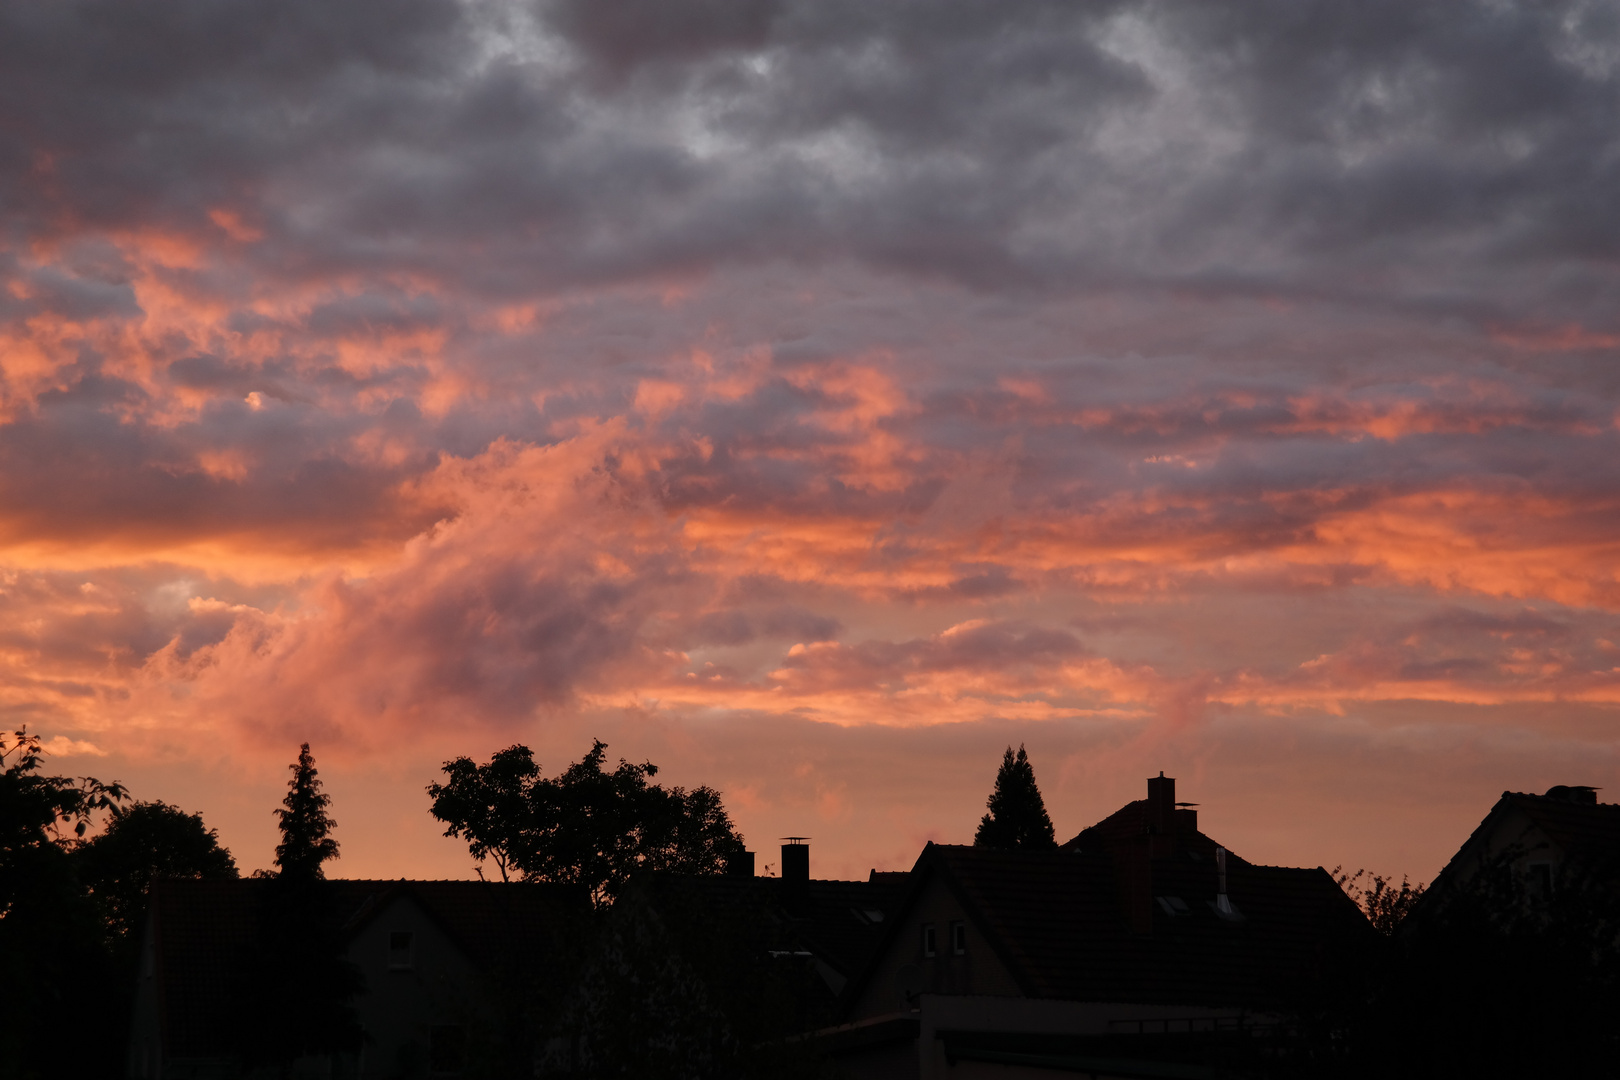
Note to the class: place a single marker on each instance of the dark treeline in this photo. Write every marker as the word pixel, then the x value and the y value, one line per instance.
pixel 645 977
pixel 71 909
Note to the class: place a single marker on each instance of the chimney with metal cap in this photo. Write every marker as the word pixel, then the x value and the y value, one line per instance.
pixel 795 870
pixel 1161 803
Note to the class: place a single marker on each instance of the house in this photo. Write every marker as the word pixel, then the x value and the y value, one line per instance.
pixel 430 953
pixel 689 968
pixel 1141 944
pixel 1540 839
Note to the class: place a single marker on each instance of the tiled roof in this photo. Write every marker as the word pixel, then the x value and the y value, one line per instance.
pixel 1056 920
pixel 207 928
pixel 1132 820
pixel 1578 828
pixel 841 922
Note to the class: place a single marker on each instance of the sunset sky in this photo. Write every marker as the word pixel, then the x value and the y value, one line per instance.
pixel 815 397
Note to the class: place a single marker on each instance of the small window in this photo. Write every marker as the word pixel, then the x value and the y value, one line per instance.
pixel 958 938
pixel 930 942
pixel 1541 880
pixel 399 949
pixel 447 1046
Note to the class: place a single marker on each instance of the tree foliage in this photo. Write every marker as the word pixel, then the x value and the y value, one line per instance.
pixel 54 955
pixel 1385 904
pixel 143 843
pixel 1017 819
pixel 588 826
pixel 1494 975
pixel 297 988
pixel 306 827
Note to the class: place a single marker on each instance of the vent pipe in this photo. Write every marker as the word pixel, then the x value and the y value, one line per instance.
pixel 1223 903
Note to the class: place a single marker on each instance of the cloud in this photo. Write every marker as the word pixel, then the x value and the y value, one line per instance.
pixel 60 746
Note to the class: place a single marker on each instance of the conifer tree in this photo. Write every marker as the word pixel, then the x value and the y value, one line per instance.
pixel 306 827
pixel 1017 819
pixel 297 989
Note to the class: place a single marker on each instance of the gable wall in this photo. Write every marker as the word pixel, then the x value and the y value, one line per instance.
pixel 1513 830
pixel 399 1006
pixel 977 971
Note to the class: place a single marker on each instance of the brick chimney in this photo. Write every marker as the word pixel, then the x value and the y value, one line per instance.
pixel 795 871
pixel 740 864
pixel 1161 815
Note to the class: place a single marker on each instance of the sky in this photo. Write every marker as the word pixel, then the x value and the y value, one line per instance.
pixel 814 397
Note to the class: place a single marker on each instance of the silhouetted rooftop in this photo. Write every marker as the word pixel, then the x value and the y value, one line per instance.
pixel 1055 920
pixel 206 929
pixel 1578 825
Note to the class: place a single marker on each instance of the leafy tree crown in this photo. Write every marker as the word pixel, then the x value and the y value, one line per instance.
pixel 306 827
pixel 141 844
pixel 1017 819
pixel 588 826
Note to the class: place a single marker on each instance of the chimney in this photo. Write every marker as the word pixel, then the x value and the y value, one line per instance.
pixel 795 871
pixel 1161 815
pixel 740 864
pixel 1161 803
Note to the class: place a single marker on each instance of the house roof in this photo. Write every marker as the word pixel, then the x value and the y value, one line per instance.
pixel 840 922
pixel 1135 819
pixel 1577 827
pixel 1056 921
pixel 205 929
pixel 1571 818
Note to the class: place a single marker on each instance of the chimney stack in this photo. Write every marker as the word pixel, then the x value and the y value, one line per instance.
pixel 1161 803
pixel 740 864
pixel 795 871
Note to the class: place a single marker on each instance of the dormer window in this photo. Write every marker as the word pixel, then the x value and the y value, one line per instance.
pixel 1172 905
pixel 930 942
pixel 400 943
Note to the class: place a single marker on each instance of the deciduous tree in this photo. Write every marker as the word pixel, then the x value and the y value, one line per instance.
pixel 588 826
pixel 141 844
pixel 54 957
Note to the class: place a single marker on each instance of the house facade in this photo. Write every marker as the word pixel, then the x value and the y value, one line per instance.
pixel 433 955
pixel 1540 840
pixel 1141 945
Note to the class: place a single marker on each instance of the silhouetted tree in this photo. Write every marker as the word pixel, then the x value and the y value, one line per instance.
pixel 1493 976
pixel 489 805
pixel 690 981
pixel 587 826
pixel 297 986
pixel 141 844
pixel 1385 905
pixel 54 958
pixel 1017 819
pixel 306 827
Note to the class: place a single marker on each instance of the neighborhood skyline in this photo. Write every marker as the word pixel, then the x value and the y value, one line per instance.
pixel 447 857
pixel 814 397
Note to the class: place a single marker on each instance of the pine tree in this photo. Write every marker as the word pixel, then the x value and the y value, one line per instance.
pixel 306 827
pixel 297 989
pixel 1017 819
